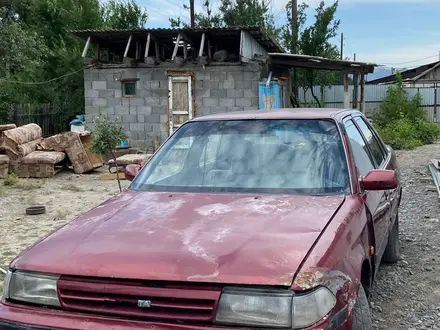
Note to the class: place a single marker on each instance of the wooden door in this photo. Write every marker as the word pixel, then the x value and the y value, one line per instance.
pixel 180 101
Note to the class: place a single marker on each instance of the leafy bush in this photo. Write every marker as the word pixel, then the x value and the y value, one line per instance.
pixel 107 135
pixel 10 180
pixel 400 119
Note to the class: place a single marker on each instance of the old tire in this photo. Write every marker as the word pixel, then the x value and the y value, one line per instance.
pixel 362 319
pixel 36 210
pixel 392 251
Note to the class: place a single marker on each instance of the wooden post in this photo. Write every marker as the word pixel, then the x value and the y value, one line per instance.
pixel 157 50
pixel 138 53
pixel 209 49
pixel 86 47
pixel 185 50
pixel 434 119
pixel 176 47
pixel 128 46
pixel 147 47
pixel 362 101
pixel 355 90
pixel 346 92
pixel 98 52
pixel 202 45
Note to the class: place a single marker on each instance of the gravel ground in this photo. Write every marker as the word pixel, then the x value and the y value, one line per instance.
pixel 407 295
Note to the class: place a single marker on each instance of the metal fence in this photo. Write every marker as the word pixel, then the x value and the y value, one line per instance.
pixel 333 97
pixel 45 115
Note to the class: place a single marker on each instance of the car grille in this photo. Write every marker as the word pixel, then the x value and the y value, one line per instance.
pixel 161 301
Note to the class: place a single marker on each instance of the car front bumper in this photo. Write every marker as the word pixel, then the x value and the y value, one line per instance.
pixel 17 317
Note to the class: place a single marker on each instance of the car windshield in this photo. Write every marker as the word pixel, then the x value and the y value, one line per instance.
pixel 291 156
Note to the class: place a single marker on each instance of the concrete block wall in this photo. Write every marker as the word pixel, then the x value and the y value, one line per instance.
pixel 217 89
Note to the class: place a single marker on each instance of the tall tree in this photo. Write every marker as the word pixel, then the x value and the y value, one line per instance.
pixel 248 12
pixel 121 14
pixel 204 19
pixel 233 13
pixel 314 40
pixel 39 47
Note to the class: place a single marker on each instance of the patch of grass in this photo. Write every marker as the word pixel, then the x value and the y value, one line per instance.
pixel 60 215
pixel 73 187
pixel 10 180
pixel 29 185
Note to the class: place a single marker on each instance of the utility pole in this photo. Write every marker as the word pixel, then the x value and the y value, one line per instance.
pixel 342 46
pixel 191 8
pixel 354 58
pixel 294 49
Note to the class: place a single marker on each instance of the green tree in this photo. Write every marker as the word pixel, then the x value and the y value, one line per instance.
pixel 121 14
pixel 248 12
pixel 203 19
pixel 314 40
pixel 232 13
pixel 37 45
pixel 107 135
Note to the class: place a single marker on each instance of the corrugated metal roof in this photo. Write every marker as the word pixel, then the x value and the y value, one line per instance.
pixel 316 62
pixel 257 33
pixel 413 74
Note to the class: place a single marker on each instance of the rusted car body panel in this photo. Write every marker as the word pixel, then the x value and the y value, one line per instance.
pixel 285 241
pixel 258 240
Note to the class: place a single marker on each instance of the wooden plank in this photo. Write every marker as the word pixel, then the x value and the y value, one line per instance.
pixel 190 99
pixel 346 92
pixel 170 105
pixel 156 47
pixel 86 47
pixel 176 47
pixel 185 50
pixel 137 51
pixel 202 45
pixel 362 101
pixel 128 46
pixel 147 47
pixel 112 176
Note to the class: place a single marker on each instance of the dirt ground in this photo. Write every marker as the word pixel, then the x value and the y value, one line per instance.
pixel 405 295
pixel 65 196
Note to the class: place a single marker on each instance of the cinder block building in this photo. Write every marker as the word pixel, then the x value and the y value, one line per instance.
pixel 154 80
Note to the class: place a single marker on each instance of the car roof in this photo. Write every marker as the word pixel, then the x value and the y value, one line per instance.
pixel 286 113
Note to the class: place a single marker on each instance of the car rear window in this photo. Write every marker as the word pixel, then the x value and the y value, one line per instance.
pixel 251 156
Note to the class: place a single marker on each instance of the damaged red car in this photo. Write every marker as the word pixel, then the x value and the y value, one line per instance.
pixel 264 219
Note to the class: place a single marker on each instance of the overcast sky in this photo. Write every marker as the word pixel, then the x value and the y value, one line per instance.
pixel 399 33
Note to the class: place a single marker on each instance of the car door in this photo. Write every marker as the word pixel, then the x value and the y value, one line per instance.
pixel 376 201
pixel 383 158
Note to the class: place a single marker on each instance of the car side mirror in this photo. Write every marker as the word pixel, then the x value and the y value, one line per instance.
pixel 379 180
pixel 131 171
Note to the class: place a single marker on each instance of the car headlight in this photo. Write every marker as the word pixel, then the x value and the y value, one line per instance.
pixel 33 288
pixel 272 308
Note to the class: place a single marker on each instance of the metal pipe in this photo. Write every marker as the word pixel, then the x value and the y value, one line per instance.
pixel 434 173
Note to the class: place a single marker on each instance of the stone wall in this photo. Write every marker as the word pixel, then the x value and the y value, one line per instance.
pixel 217 89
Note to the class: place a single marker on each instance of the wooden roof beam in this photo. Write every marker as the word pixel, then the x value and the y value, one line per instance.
pixel 176 47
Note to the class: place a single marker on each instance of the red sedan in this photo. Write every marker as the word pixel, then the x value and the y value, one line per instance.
pixel 264 219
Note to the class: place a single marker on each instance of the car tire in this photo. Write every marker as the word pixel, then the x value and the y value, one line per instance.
pixel 36 210
pixel 362 319
pixel 392 251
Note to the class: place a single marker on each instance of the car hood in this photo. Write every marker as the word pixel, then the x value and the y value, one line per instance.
pixel 224 238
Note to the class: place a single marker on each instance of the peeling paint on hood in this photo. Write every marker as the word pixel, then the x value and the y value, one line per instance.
pixel 224 238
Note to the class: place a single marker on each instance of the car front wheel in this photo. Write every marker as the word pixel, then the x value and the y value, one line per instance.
pixel 362 313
